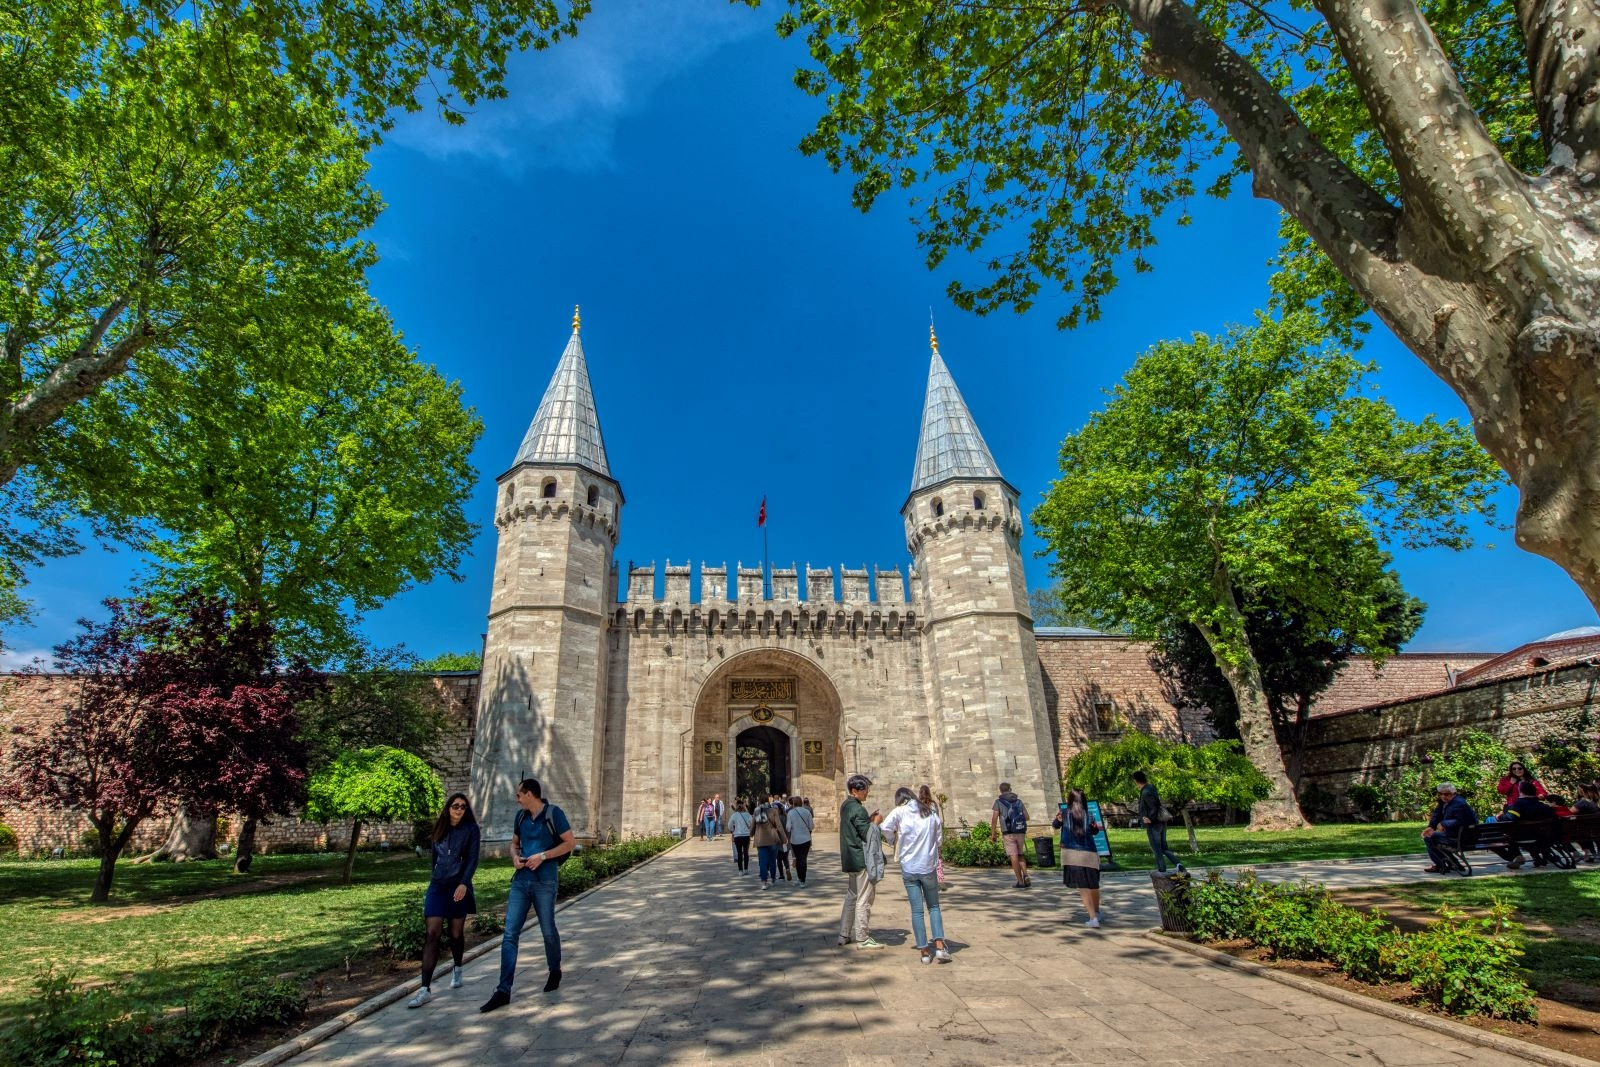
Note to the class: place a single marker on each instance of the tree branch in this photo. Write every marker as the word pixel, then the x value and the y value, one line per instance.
pixel 1290 166
pixel 1563 41
pixel 1451 171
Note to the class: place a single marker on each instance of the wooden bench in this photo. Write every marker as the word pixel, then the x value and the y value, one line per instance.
pixel 1556 841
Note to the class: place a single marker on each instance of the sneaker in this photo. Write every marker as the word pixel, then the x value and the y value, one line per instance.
pixel 496 1000
pixel 422 997
pixel 455 978
pixel 1093 923
pixel 942 955
pixel 927 956
pixel 1019 885
pixel 1512 865
pixel 766 885
pixel 1027 883
pixel 1180 869
pixel 869 942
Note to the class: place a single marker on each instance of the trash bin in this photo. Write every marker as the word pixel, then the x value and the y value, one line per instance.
pixel 1044 851
pixel 1169 899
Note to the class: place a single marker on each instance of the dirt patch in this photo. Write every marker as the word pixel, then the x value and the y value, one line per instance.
pixel 1565 1027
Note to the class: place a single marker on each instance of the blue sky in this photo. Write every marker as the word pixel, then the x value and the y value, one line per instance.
pixel 749 333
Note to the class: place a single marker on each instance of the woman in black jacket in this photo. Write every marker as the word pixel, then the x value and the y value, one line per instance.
pixel 455 858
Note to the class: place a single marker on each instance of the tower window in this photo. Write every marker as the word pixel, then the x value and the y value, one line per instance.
pixel 977 501
pixel 1105 716
pixel 594 495
pixel 511 494
pixel 938 507
pixel 549 488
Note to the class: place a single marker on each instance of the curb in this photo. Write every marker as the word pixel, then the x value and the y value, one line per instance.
pixel 1512 1046
pixel 1347 861
pixel 320 1033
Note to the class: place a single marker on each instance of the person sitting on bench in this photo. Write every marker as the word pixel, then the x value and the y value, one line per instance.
pixel 1449 818
pixel 1525 809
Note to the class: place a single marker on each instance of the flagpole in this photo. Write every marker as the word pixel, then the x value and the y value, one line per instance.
pixel 766 563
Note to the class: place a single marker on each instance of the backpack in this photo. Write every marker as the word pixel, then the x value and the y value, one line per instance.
pixel 1012 820
pixel 551 823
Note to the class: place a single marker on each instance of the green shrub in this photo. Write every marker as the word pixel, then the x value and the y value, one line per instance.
pixel 487 922
pixel 1370 801
pixel 404 932
pixel 8 839
pixel 1218 910
pixel 1281 919
pixel 89 841
pixel 1361 944
pixel 1469 966
pixel 226 1006
pixel 982 849
pixel 981 832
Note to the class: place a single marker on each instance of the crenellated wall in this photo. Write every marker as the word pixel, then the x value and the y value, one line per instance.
pixel 887 586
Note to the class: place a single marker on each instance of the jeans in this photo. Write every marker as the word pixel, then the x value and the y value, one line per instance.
pixel 741 852
pixel 709 825
pixel 767 860
pixel 920 889
pixel 800 852
pixel 539 894
pixel 1156 834
pixel 858 896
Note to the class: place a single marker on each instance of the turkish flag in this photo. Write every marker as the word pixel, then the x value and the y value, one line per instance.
pixel 761 519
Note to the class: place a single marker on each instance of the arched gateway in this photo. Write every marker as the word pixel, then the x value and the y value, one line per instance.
pixel 768 721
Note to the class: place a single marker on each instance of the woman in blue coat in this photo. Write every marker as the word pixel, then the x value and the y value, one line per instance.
pixel 455 858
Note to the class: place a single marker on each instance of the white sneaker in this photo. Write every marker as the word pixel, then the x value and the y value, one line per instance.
pixel 942 955
pixel 422 997
pixel 455 978
pixel 1094 922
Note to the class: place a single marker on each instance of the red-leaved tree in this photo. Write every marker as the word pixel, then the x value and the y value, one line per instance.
pixel 174 705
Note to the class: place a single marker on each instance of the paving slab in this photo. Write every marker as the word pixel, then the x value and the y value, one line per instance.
pixel 690 962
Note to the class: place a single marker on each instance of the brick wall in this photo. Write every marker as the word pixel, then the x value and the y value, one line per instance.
pixel 32 702
pixel 1366 744
pixel 1361 683
pixel 1532 656
pixel 1091 682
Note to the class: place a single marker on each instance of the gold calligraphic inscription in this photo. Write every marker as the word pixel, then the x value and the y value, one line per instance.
pixel 813 748
pixel 761 690
pixel 712 763
pixel 814 761
pixel 762 713
pixel 713 748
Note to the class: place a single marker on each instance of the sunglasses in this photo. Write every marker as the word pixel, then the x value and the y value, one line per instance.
pixel 458 807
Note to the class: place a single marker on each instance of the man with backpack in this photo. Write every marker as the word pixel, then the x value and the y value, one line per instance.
pixel 1009 821
pixel 541 838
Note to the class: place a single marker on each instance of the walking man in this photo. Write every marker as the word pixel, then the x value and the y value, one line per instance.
pixel 722 815
pixel 1155 816
pixel 540 836
pixel 1009 821
pixel 855 826
pixel 798 823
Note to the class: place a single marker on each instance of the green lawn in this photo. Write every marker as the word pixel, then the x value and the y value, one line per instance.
pixel 162 931
pixel 1570 903
pixel 1226 846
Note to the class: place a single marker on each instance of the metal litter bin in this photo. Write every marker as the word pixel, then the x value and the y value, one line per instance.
pixel 1044 851
pixel 1170 890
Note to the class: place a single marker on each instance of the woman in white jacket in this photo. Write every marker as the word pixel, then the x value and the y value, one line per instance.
pixel 916 827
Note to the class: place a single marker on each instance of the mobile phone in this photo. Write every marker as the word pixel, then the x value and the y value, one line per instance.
pixel 1063 806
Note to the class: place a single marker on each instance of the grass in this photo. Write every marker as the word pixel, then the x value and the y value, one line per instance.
pixel 169 924
pixel 1564 947
pixel 1229 846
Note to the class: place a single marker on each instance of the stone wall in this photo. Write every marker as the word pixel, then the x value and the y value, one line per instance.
pixel 1097 686
pixel 1361 683
pixel 30 702
pixel 1366 744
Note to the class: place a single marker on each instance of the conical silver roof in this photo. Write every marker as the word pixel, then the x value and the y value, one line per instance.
pixel 566 428
pixel 950 445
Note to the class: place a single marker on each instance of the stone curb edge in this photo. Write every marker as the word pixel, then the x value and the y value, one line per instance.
pixel 320 1033
pixel 1342 861
pixel 1460 1031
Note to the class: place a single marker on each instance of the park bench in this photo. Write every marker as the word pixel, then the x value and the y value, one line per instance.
pixel 1558 840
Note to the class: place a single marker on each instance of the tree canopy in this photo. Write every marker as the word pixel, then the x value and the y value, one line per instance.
pixel 380 783
pixel 1225 466
pixel 1439 156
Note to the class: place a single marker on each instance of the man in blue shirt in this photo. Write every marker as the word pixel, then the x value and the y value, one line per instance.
pixel 1445 824
pixel 540 836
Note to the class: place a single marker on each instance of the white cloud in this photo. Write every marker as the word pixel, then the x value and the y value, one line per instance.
pixel 14 659
pixel 565 102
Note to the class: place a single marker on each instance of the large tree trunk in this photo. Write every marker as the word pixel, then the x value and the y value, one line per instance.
pixel 1489 276
pixel 350 856
pixel 193 837
pixel 246 852
pixel 1231 648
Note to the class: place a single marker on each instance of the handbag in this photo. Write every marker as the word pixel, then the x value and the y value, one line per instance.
pixel 938 871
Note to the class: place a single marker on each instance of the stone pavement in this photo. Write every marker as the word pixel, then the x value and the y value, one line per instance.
pixel 685 961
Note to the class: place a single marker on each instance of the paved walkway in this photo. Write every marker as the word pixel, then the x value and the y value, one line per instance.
pixel 686 961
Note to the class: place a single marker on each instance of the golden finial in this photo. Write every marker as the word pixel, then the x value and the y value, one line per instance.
pixel 933 338
pixel 576 319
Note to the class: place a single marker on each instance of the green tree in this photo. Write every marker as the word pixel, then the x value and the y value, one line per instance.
pixel 373 784
pixel 1185 775
pixel 313 496
pixel 1439 155
pixel 452 661
pixel 378 699
pixel 1297 662
pixel 1246 462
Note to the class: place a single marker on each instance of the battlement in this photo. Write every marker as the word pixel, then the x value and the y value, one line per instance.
pixel 750 586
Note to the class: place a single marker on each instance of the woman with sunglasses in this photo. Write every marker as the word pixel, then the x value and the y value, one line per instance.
pixel 455 858
pixel 1510 787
